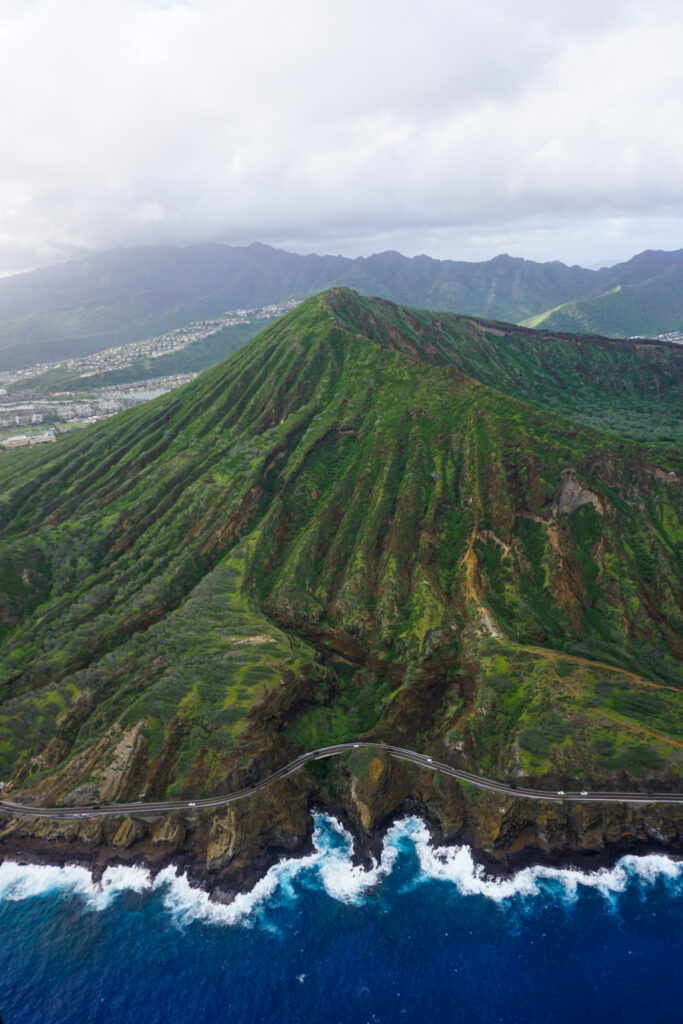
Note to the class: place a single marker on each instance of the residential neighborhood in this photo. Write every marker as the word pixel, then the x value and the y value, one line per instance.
pixel 28 407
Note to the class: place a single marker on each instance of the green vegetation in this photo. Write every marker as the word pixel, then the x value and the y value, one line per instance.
pixel 570 718
pixel 642 297
pixel 345 530
pixel 632 390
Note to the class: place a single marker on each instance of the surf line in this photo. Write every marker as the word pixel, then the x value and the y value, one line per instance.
pixel 399 753
pixel 340 878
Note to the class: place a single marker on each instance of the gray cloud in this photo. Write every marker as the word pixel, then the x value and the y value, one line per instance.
pixel 449 129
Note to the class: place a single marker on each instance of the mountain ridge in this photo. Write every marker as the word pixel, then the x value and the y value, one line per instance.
pixel 127 295
pixel 639 296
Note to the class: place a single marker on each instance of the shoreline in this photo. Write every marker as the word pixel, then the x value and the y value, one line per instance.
pixel 504 864
pixel 366 851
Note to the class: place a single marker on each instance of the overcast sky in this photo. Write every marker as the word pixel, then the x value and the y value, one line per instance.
pixel 542 128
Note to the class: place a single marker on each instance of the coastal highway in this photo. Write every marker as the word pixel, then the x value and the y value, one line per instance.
pixel 400 753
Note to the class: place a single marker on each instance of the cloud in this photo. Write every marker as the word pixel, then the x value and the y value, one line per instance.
pixel 344 123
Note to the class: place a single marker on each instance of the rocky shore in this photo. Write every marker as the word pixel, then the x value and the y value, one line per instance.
pixel 227 850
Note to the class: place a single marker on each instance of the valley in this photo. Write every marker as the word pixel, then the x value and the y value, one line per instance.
pixel 84 390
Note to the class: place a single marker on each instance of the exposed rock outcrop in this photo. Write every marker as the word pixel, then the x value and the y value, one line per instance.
pixel 572 495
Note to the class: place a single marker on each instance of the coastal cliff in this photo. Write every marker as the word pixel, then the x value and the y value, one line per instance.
pixel 227 851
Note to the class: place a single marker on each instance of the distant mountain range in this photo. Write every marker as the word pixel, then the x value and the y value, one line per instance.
pixel 643 296
pixel 86 305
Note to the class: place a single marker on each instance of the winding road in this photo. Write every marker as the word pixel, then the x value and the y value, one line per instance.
pixel 399 753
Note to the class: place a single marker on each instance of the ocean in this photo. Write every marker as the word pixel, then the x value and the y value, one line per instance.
pixel 424 936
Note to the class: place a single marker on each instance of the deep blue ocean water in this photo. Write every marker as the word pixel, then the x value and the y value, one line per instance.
pixel 424 937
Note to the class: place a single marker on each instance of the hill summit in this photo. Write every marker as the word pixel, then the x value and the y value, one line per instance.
pixel 369 522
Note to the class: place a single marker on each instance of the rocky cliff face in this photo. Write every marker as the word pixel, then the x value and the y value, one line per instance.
pixel 227 851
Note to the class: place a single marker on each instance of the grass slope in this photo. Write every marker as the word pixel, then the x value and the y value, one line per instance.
pixel 631 388
pixel 641 297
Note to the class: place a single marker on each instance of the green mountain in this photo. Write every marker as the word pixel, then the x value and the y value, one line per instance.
pixel 641 297
pixel 112 298
pixel 352 527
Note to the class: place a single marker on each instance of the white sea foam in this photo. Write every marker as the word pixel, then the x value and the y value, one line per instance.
pixel 19 881
pixel 331 867
pixel 456 865
pixel 118 879
pixel 23 881
pixel 341 878
pixel 188 903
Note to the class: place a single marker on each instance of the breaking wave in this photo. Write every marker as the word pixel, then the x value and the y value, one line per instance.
pixel 456 865
pixel 330 868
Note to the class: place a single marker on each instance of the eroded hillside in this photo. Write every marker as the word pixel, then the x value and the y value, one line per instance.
pixel 339 533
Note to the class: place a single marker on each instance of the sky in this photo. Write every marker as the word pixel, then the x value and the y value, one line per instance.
pixel 545 129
